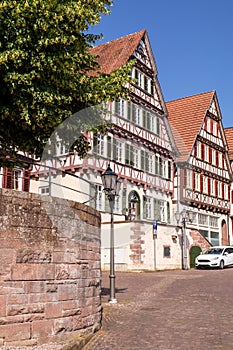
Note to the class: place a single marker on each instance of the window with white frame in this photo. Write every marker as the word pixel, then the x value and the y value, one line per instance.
pixel 132 156
pixel 189 178
pixel 226 192
pixel 120 106
pixel 118 150
pixel 147 207
pixel 157 126
pixel 99 197
pixel 163 211
pixel 198 150
pixel 197 182
pixel 215 128
pixel 208 124
pixel 219 194
pixel 220 160
pixel 203 219
pixel 205 184
pixel 213 157
pixel 150 163
pixel 98 144
pixel 137 115
pixel 61 148
pixel 17 179
pixel 44 190
pixel 206 148
pixel 213 221
pixel 212 187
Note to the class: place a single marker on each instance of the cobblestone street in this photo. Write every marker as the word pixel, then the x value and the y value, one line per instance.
pixel 182 310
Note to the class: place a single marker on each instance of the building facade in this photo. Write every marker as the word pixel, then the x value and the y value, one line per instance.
pixel 203 175
pixel 171 158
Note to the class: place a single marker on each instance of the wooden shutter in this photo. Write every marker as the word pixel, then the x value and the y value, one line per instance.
pixel 202 151
pixel 194 180
pixel 216 188
pixel 26 180
pixel 195 149
pixel 7 178
pixel 210 155
pixel 201 182
pixel 217 162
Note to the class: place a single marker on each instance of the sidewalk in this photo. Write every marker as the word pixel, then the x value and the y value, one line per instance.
pixel 181 310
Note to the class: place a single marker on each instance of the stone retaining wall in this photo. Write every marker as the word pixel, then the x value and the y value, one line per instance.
pixel 49 269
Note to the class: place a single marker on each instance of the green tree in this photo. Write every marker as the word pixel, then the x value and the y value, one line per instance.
pixel 45 67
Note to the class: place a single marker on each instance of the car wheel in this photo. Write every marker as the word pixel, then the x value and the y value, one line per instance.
pixel 221 264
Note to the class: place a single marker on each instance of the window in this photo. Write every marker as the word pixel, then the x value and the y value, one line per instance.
pixel 197 182
pixel 98 144
pixel 220 163
pixel 44 190
pixel 189 178
pixel 17 179
pixel 163 211
pixel 120 107
pixel 211 187
pixel 213 157
pixel 205 184
pixel 132 156
pixel 219 194
pixel 137 115
pixel 214 238
pixel 203 219
pixel 213 221
pixel 133 206
pixel 206 153
pixel 166 251
pixel 62 149
pixel 99 197
pixel 118 150
pixel 147 207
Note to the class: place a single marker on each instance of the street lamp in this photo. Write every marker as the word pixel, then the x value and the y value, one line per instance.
pixel 111 188
pixel 184 216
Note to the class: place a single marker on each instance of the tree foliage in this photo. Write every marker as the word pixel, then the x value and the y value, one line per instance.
pixel 44 68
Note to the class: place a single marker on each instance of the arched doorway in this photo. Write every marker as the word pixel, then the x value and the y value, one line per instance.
pixel 225 237
pixel 133 206
pixel 193 253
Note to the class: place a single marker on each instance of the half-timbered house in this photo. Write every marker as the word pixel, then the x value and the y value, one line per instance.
pixel 202 176
pixel 140 149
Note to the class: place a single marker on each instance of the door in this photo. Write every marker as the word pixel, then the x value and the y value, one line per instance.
pixel 193 253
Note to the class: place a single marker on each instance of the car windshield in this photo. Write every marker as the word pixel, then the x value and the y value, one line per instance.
pixel 213 251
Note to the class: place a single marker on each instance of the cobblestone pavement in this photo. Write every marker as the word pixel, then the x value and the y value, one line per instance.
pixel 181 310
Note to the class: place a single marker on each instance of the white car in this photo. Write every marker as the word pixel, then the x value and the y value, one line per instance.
pixel 215 257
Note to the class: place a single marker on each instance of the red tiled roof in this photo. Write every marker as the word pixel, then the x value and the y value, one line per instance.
pixel 229 136
pixel 116 53
pixel 186 116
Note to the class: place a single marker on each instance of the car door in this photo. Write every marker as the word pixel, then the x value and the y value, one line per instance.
pixel 228 253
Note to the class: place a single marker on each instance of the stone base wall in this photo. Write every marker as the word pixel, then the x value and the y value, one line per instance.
pixel 49 269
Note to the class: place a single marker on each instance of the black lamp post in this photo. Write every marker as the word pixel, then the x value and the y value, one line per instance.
pixel 184 216
pixel 111 187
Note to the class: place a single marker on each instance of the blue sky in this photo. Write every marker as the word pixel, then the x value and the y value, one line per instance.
pixel 192 42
